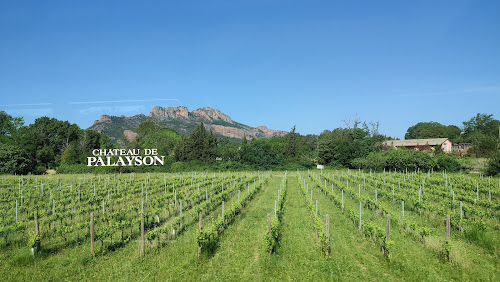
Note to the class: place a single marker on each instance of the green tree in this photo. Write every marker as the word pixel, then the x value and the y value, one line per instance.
pixel 71 155
pixel 482 123
pixel 181 150
pixel 493 167
pixel 13 160
pixel 229 151
pixel 198 146
pixel 309 146
pixel 246 151
pixel 292 145
pixel 423 130
pixel 90 139
pixel 150 135
pixel 9 124
pixel 340 146
pixel 47 138
pixel 483 132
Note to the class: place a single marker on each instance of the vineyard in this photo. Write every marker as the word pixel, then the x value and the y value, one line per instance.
pixel 294 225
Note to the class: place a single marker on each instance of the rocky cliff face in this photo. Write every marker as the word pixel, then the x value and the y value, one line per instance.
pixel 130 135
pixel 209 114
pixel 169 113
pixel 183 121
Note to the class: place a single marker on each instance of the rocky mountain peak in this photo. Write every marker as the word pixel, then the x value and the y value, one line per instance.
pixel 183 121
pixel 105 118
pixel 169 113
pixel 210 114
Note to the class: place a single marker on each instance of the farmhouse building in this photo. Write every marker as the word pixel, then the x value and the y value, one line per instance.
pixel 421 144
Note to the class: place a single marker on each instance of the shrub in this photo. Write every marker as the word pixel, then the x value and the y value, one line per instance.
pixel 399 159
pixel 448 162
pixel 493 167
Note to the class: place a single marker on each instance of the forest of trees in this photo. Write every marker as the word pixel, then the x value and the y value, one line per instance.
pixel 49 143
pixel 45 144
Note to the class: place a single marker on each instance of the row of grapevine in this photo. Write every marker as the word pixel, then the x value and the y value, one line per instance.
pixel 369 229
pixel 208 236
pixel 320 227
pixel 64 209
pixel 273 232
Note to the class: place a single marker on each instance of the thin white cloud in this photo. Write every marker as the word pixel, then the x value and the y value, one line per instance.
pixel 25 105
pixel 121 101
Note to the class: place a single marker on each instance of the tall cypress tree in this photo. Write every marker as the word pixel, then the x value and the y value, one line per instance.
pixel 292 145
pixel 198 146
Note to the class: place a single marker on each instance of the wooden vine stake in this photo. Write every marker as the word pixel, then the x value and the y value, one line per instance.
pixel 142 234
pixel 37 228
pixel 359 216
pixel 388 228
pixel 37 231
pixel 92 233
pixel 448 227
pixel 447 245
pixel 387 235
pixel 200 226
pixel 327 232
pixel 269 229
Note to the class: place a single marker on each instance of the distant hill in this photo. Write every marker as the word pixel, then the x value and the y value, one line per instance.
pixel 183 122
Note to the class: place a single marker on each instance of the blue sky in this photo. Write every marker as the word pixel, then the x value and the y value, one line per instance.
pixel 274 63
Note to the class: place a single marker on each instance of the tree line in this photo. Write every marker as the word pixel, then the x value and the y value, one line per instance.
pixel 49 143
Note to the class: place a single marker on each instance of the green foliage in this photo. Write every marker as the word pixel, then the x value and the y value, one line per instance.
pixel 116 125
pixel 401 159
pixel 264 153
pixel 398 159
pixel 446 249
pixel 191 165
pixel 8 124
pixel 493 167
pixel 13 160
pixel 318 223
pixel 483 132
pixel 34 240
pixel 70 155
pixel 151 135
pixel 272 241
pixel 448 162
pixel 424 232
pixel 475 232
pixel 240 248
pixel 292 145
pixel 338 147
pixel 483 145
pixel 64 168
pixel 482 123
pixel 48 142
pixel 423 130
pixel 388 246
pixel 208 237
pixel 198 146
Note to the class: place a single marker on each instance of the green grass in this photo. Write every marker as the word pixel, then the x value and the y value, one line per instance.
pixel 241 253
pixel 475 165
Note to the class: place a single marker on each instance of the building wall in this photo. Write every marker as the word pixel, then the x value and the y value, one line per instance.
pixel 447 146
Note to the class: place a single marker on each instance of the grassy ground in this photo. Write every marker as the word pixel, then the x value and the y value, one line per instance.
pixel 475 165
pixel 241 252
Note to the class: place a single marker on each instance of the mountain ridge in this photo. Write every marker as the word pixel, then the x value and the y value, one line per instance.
pixel 183 121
